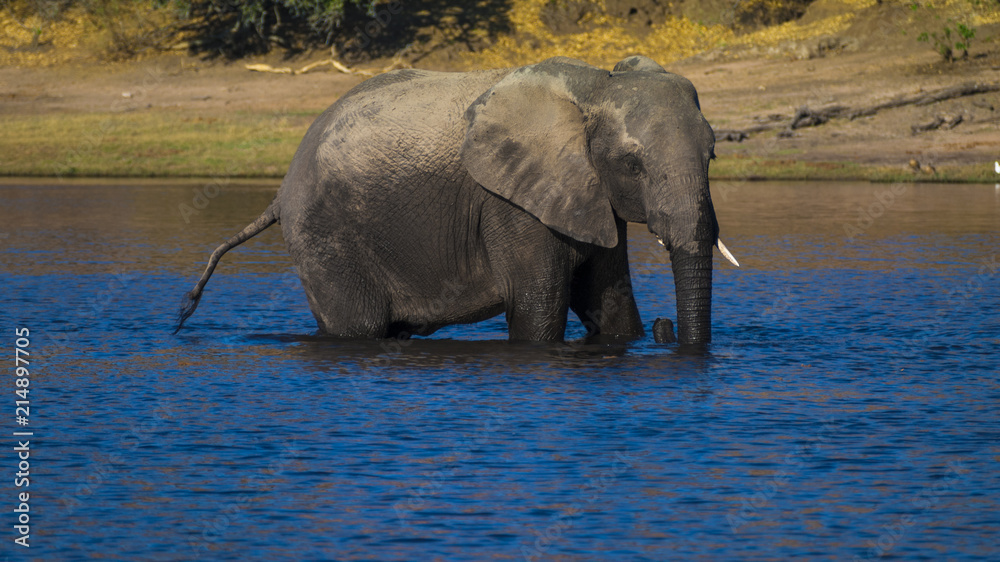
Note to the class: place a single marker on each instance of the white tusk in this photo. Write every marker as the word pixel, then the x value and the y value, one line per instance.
pixel 661 242
pixel 725 252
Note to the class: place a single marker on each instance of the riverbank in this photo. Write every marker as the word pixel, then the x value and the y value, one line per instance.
pixel 796 111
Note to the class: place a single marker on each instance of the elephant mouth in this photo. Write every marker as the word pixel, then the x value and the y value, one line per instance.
pixel 718 244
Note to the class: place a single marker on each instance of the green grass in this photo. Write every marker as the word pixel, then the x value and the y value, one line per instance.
pixel 165 143
pixel 148 143
pixel 757 168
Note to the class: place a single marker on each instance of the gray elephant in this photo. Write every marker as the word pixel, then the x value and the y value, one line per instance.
pixel 423 199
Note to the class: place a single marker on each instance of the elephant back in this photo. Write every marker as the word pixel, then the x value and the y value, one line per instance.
pixel 395 131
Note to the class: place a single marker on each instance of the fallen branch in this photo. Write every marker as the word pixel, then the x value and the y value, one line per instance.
pixel 268 68
pixel 938 123
pixel 330 62
pixel 805 117
pixel 731 135
pixel 260 67
pixel 739 135
pixel 927 98
pixel 397 62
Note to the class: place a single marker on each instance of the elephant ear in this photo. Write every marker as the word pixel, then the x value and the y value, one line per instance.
pixel 526 142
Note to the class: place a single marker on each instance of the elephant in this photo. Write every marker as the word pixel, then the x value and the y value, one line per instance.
pixel 422 199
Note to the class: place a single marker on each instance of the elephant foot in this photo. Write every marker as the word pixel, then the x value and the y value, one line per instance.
pixel 663 331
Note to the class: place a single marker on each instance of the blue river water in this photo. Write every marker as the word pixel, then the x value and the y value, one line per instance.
pixel 848 407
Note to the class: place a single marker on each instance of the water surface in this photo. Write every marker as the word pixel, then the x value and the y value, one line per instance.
pixel 848 407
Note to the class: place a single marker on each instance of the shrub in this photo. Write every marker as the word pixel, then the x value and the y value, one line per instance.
pixel 228 27
pixel 954 35
pixel 237 28
pixel 751 14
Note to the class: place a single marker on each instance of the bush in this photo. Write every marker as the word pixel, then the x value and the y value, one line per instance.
pixel 229 27
pixel 751 14
pixel 235 28
pixel 945 44
pixel 955 34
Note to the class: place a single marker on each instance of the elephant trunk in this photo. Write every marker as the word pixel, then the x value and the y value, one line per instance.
pixel 690 231
pixel 692 268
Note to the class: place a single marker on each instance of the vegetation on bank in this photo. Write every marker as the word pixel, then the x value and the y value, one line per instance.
pixel 151 143
pixel 121 29
pixel 481 33
pixel 754 168
pixel 165 143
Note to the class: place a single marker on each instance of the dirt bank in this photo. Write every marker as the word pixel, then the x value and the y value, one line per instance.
pixel 747 90
pixel 749 94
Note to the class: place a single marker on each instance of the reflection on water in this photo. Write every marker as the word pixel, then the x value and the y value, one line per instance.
pixel 847 407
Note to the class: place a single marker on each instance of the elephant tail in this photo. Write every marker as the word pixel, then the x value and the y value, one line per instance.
pixel 265 220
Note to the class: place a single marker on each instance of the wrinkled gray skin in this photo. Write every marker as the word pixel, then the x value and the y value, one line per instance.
pixel 422 199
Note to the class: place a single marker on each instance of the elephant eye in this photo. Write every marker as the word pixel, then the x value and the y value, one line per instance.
pixel 634 164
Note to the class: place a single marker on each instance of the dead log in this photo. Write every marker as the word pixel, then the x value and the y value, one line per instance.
pixel 397 62
pixel 924 127
pixel 805 117
pixel 927 98
pixel 731 135
pixel 740 135
pixel 939 122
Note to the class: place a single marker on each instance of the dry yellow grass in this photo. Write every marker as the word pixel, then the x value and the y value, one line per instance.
pixel 794 31
pixel 81 35
pixel 58 41
pixel 604 41
pixel 607 39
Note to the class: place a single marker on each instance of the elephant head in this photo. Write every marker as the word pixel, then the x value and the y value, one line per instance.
pixel 575 146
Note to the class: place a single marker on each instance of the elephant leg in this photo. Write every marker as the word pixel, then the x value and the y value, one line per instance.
pixel 532 269
pixel 602 294
pixel 536 309
pixel 345 306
